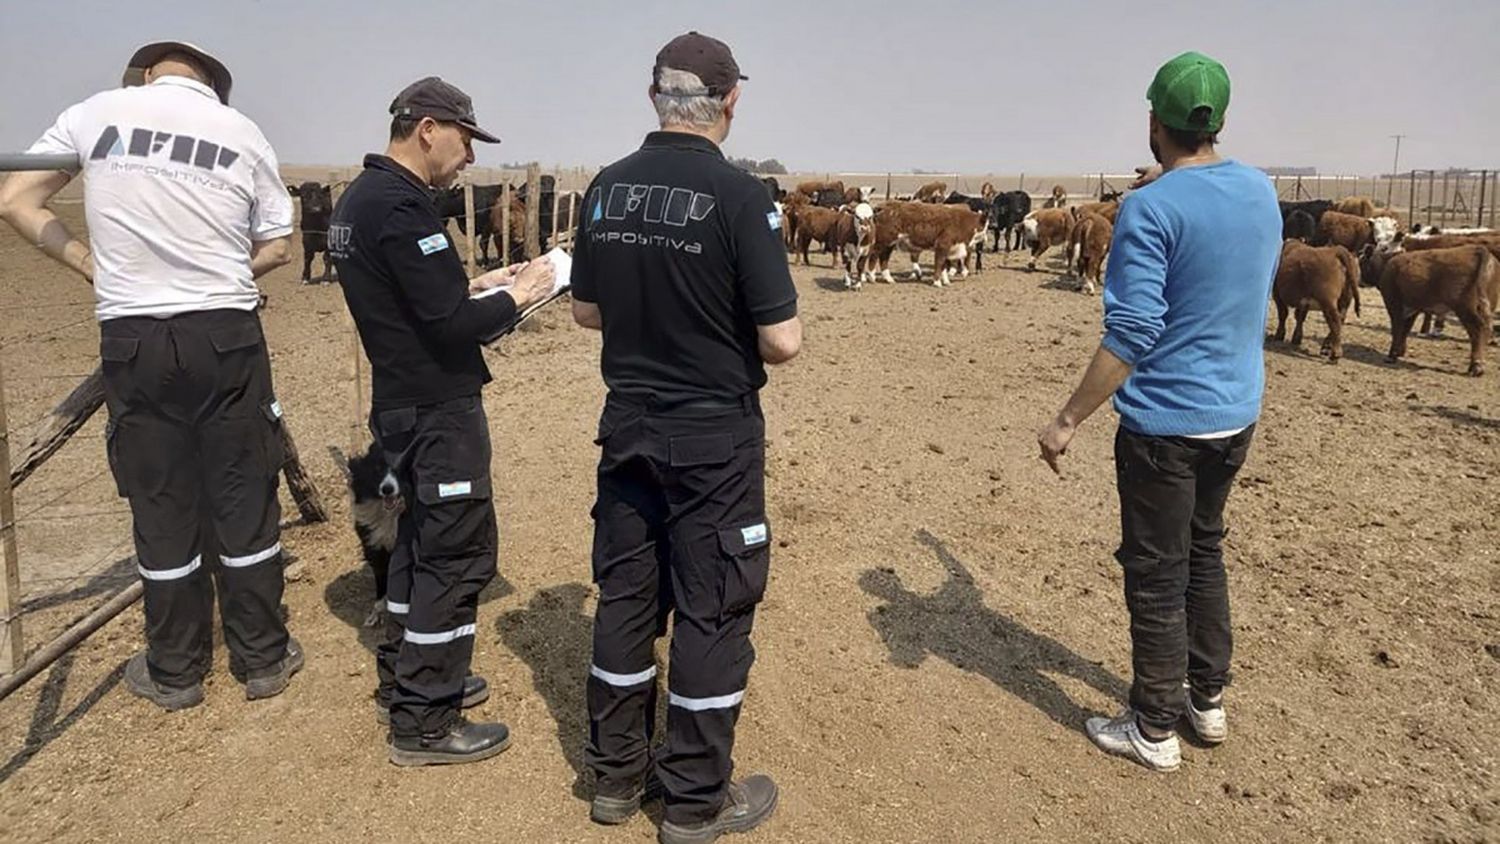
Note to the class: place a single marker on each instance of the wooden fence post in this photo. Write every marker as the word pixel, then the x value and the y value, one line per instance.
pixel 556 206
pixel 470 233
pixel 1431 183
pixel 12 648
pixel 505 223
pixel 533 222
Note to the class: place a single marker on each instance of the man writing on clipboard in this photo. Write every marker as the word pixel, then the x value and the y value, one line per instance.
pixel 421 329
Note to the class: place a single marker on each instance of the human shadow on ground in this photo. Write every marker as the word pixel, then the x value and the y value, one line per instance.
pixel 45 723
pixel 1460 416
pixel 554 637
pixel 119 573
pixel 954 624
pixel 351 599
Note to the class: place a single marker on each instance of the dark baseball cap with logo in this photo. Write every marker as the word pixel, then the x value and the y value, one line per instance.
pixel 708 58
pixel 1190 92
pixel 432 97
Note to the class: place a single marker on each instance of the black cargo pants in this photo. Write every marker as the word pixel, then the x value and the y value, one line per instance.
pixel 680 530
pixel 1172 495
pixel 446 543
pixel 194 443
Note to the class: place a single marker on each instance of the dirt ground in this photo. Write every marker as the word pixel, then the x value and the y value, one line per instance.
pixel 943 612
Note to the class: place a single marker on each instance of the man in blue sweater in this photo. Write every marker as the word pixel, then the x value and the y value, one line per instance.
pixel 1185 295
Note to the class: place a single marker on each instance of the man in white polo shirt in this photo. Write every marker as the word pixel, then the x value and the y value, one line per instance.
pixel 185 209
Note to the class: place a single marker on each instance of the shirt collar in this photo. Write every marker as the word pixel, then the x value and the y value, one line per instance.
pixel 185 82
pixel 375 161
pixel 680 140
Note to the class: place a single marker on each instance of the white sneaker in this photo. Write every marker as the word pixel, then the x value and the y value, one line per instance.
pixel 1211 725
pixel 1122 736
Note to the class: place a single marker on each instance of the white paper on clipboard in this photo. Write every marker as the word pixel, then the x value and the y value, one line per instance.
pixel 562 264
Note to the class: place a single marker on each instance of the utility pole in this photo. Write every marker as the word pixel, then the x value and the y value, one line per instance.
pixel 1395 165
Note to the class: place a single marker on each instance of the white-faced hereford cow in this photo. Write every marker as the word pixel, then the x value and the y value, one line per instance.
pixel 1045 228
pixel 950 231
pixel 852 238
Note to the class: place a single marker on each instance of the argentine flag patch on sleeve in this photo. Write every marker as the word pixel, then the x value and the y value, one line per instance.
pixel 433 243
pixel 773 219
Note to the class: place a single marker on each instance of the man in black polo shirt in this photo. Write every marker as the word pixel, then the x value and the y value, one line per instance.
pixel 410 298
pixel 679 261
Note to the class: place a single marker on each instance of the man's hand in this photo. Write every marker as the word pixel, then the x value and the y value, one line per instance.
pixel 1145 176
pixel 532 283
pixel 1054 440
pixel 495 278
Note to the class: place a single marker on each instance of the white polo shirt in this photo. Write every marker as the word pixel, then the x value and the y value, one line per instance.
pixel 176 187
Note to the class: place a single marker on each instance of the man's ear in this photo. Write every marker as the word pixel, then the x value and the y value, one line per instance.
pixel 651 93
pixel 731 100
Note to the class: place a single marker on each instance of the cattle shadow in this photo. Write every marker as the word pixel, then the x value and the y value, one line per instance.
pixel 1065 282
pixel 833 284
pixel 45 724
pixel 1461 416
pixel 554 637
pixel 954 624
pixel 350 598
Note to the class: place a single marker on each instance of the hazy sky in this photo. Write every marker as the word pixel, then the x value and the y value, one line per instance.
pixel 1053 87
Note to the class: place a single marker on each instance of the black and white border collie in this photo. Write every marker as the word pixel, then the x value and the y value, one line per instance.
pixel 378 503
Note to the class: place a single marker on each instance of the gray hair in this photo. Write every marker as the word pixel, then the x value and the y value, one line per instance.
pixel 683 100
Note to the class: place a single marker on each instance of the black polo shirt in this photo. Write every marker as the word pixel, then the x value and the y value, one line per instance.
pixel 408 291
pixel 683 254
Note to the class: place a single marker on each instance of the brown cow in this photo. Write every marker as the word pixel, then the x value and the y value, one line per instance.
pixel 791 207
pixel 1108 209
pixel 852 237
pixel 1044 229
pixel 1490 241
pixel 814 223
pixel 1360 206
pixel 811 189
pixel 1088 243
pixel 1322 277
pixel 1058 199
pixel 950 231
pixel 1352 232
pixel 1461 280
pixel 932 192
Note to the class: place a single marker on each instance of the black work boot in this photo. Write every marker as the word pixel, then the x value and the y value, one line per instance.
pixel 615 806
pixel 747 804
pixel 272 680
pixel 171 698
pixel 476 691
pixel 461 742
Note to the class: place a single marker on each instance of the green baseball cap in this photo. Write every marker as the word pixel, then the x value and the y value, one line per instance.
pixel 1190 82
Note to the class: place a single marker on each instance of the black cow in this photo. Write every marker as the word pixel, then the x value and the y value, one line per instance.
pixel 773 189
pixel 1011 207
pixel 828 199
pixel 317 208
pixel 450 206
pixel 1299 225
pixel 1314 208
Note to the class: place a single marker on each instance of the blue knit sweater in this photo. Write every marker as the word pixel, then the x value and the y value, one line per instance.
pixel 1190 270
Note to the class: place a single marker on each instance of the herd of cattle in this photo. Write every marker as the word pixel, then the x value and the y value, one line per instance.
pixel 1331 249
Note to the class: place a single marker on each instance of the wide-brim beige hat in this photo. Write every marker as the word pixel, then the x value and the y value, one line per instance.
pixel 135 70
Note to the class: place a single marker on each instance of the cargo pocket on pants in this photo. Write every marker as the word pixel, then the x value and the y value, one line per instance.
pixel 747 558
pixel 275 451
pixel 112 455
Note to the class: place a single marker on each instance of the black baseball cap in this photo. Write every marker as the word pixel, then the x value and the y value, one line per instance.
pixel 432 97
pixel 146 57
pixel 708 58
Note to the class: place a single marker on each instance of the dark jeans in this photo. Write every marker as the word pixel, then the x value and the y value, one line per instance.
pixel 1172 494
